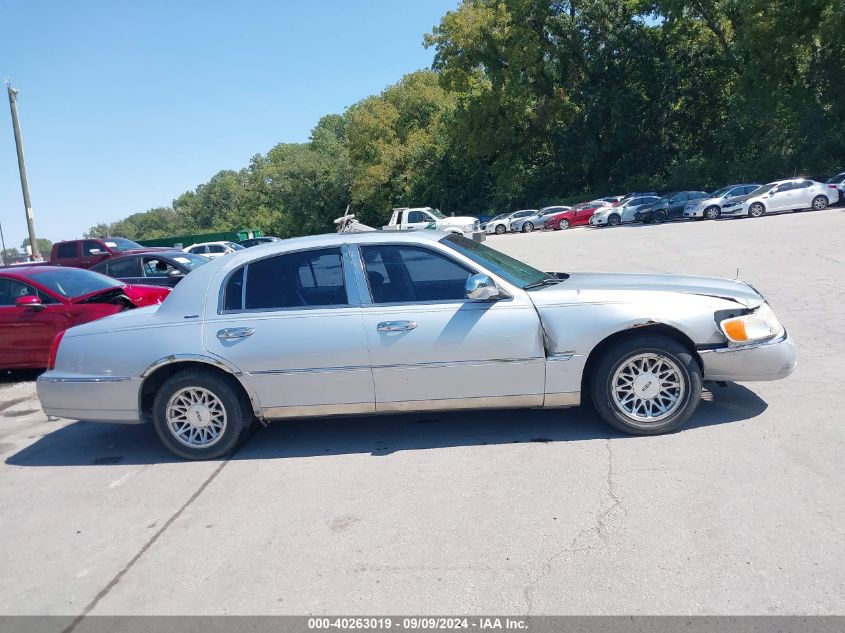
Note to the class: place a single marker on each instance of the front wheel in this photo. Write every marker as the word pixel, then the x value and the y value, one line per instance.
pixel 500 229
pixel 647 385
pixel 198 414
pixel 564 224
pixel 819 203
pixel 527 227
pixel 614 220
pixel 756 210
pixel 712 213
pixel 659 217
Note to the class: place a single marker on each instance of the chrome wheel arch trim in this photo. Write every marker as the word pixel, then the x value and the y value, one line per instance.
pixel 219 363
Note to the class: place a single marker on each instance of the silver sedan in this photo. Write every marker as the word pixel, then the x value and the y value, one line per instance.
pixel 380 322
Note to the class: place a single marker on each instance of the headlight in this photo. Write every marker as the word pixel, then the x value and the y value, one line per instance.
pixel 760 325
pixel 468 228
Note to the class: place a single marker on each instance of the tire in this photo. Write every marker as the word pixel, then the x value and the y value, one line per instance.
pixel 712 213
pixel 563 225
pixel 819 203
pixel 667 358
pixel 614 220
pixel 225 419
pixel 500 229
pixel 756 210
pixel 659 217
pixel 527 227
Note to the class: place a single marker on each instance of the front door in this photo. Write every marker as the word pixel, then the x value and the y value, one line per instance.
pixel 781 198
pixel 26 333
pixel 431 348
pixel 291 325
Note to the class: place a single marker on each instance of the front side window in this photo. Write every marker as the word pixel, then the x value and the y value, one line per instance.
pixel 787 186
pixel 418 216
pixel 121 244
pixel 158 267
pixel 90 247
pixel 293 280
pixel 12 289
pixel 399 274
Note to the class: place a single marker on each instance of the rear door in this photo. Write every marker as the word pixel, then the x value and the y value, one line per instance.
pixel 126 268
pixel 292 324
pixel 432 348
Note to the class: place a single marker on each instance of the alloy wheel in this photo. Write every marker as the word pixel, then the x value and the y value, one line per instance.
pixel 647 388
pixel 196 417
pixel 528 227
pixel 819 203
pixel 756 210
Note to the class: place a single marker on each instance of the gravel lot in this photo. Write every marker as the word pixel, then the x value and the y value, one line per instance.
pixel 506 512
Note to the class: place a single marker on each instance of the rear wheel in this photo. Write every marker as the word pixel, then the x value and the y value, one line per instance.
pixel 756 210
pixel 614 220
pixel 500 229
pixel 659 217
pixel 647 385
pixel 712 213
pixel 199 414
pixel 527 227
pixel 819 203
pixel 564 224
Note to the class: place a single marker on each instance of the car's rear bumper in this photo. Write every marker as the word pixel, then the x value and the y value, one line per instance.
pixel 771 360
pixel 89 398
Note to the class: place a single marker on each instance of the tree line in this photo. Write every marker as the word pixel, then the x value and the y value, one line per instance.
pixel 534 102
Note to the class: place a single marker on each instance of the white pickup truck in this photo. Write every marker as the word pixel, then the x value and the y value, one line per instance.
pixel 407 219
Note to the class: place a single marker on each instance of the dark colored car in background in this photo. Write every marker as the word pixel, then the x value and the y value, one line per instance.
pixel 255 241
pixel 39 302
pixel 669 207
pixel 155 269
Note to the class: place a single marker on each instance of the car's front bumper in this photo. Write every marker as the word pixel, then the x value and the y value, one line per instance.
pixel 598 221
pixel 771 360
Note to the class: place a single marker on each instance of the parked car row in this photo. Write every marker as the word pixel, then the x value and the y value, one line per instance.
pixel 737 200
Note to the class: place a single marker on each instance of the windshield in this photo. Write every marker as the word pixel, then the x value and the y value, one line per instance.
pixel 721 192
pixel 437 214
pixel 501 216
pixel 515 271
pixel 75 282
pixel 764 189
pixel 121 243
pixel 190 260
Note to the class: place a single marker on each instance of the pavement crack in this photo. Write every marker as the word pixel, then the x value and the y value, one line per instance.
pixel 587 539
pixel 117 578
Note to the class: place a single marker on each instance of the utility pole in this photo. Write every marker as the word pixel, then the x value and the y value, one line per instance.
pixel 13 104
pixel 3 244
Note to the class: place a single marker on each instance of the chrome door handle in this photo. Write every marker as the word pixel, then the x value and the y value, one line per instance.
pixel 234 332
pixel 396 326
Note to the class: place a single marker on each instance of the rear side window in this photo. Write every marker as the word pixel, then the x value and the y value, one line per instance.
pixel 124 267
pixel 309 278
pixel 67 250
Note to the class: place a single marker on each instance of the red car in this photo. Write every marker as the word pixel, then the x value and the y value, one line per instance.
pixel 38 302
pixel 576 216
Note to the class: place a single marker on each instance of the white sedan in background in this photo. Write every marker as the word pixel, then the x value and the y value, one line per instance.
pixel 213 249
pixel 385 322
pixel 795 194
pixel 623 213
pixel 501 224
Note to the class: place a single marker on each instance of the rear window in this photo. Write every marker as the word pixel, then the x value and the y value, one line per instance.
pixel 66 250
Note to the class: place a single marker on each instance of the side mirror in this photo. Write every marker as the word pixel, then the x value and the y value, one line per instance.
pixel 29 301
pixel 481 288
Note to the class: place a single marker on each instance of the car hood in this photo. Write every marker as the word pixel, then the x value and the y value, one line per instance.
pixel 705 201
pixel 730 289
pixel 462 219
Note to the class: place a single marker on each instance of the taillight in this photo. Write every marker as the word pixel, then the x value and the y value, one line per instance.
pixel 54 349
pixel 832 187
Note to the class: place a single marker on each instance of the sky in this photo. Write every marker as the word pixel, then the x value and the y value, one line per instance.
pixel 126 105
